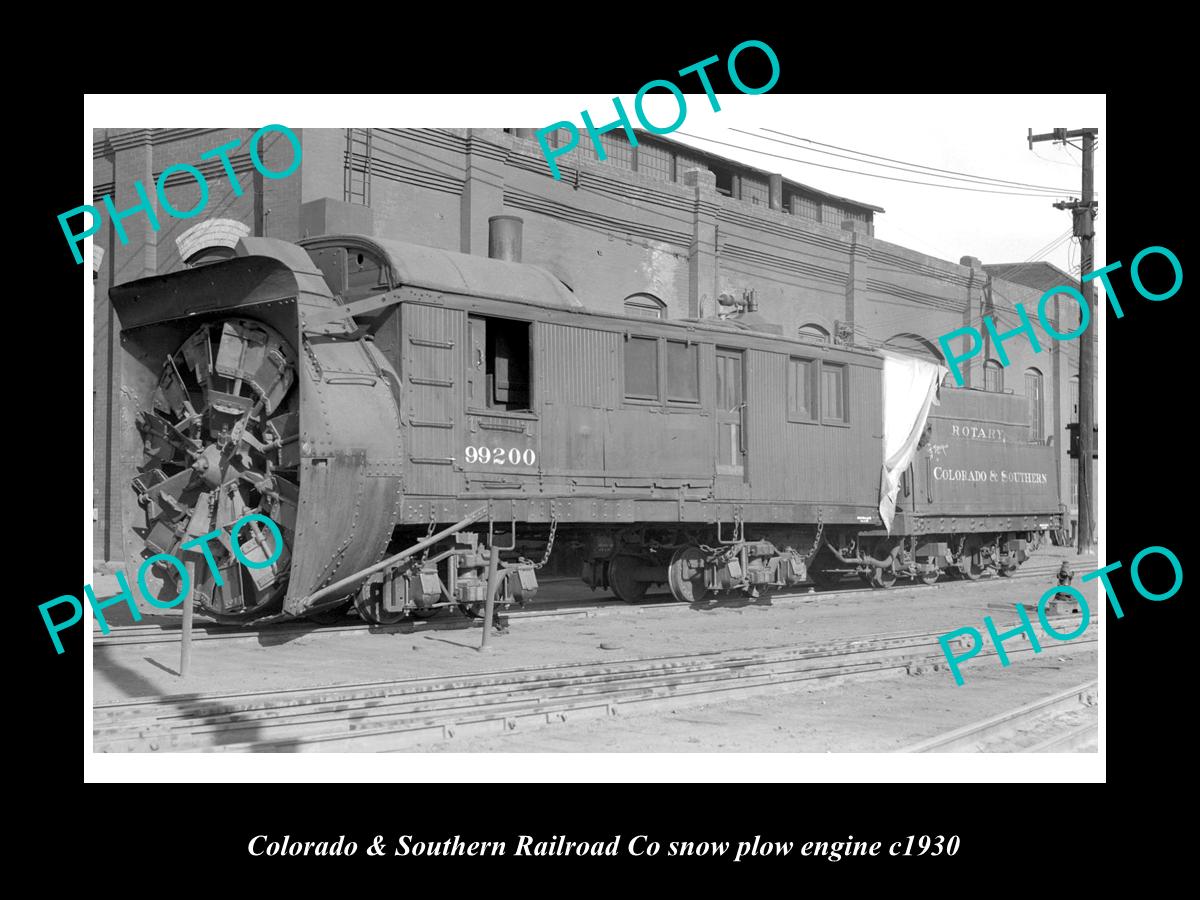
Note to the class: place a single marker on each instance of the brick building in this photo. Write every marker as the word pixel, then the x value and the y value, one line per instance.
pixel 660 229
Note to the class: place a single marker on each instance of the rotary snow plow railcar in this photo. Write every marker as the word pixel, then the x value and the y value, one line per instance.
pixel 233 404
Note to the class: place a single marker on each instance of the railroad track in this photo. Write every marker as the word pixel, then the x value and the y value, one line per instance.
pixel 1064 722
pixel 127 635
pixel 403 713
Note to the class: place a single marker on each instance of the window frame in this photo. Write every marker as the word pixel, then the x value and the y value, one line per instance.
pixel 815 402
pixel 640 400
pixel 693 348
pixel 825 420
pixel 647 301
pixel 993 366
pixel 662 400
pixel 819 416
pixel 527 412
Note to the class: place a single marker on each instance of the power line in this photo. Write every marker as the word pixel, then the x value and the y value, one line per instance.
pixel 956 176
pixel 805 162
pixel 1057 162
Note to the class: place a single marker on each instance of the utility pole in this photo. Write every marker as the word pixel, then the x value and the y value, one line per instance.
pixel 1083 212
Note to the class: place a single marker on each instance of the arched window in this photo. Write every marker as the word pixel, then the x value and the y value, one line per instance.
pixel 913 345
pixel 1033 391
pixel 814 332
pixel 645 306
pixel 993 376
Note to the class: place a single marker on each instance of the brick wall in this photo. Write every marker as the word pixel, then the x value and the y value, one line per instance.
pixel 606 231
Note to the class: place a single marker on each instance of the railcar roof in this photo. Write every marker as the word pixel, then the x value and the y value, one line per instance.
pixel 431 268
pixel 419 266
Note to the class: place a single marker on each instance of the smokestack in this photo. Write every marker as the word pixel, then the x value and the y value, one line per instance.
pixel 504 237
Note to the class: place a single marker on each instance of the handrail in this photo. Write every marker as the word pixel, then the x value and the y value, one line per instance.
pixel 383 564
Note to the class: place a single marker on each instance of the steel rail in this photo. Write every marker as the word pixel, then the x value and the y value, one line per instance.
pixel 396 714
pixel 970 737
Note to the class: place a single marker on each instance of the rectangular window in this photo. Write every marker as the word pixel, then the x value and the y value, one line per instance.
pixel 833 393
pixel 1033 390
pixel 683 372
pixel 499 364
pixel 641 368
pixel 832 215
pixel 802 390
pixel 653 161
pixel 806 208
pixel 817 392
pixel 754 191
pixel 617 149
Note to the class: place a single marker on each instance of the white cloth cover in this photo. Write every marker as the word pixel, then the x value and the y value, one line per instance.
pixel 909 390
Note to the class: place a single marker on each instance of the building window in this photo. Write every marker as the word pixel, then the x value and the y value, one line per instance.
pixel 654 161
pixel 683 372
pixel 802 390
pixel 833 393
pixel 811 331
pixel 724 179
pixel 754 191
pixel 806 207
pixel 641 368
pixel 499 364
pixel 617 149
pixel 1033 391
pixel 645 306
pixel 993 377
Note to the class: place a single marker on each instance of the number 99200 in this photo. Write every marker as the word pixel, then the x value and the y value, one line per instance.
pixel 499 456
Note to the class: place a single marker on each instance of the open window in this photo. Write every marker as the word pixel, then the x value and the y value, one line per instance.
pixel 500 364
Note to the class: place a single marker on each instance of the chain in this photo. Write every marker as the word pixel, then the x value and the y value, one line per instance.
pixel 961 543
pixel 428 535
pixel 549 545
pixel 816 547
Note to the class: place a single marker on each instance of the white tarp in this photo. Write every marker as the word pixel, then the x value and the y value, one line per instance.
pixel 909 390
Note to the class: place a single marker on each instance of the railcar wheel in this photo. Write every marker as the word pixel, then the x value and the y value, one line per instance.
pixel 621 581
pixel 969 568
pixel 373 613
pixel 883 577
pixel 685 575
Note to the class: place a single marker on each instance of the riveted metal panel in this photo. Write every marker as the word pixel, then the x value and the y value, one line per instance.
pixel 431 339
pixel 350 478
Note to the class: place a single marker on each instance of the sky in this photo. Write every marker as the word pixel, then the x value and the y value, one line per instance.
pixel 972 134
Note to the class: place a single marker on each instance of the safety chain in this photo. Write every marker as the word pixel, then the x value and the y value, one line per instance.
pixel 428 535
pixel 961 543
pixel 549 545
pixel 816 547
